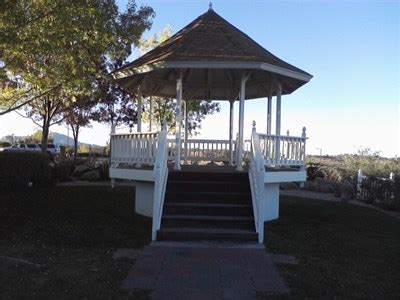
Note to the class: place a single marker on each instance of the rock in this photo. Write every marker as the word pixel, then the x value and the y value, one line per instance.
pixel 91 175
pixel 81 169
pixel 289 186
pixel 325 186
pixel 346 191
pixel 310 186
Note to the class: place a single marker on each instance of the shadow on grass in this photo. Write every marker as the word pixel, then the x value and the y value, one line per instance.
pixel 344 251
pixel 72 233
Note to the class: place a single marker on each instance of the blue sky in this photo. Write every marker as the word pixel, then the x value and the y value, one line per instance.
pixel 351 48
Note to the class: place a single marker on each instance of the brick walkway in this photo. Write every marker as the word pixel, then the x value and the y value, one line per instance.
pixel 178 271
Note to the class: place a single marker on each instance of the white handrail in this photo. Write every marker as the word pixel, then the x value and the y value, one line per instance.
pixel 281 150
pixel 133 148
pixel 256 177
pixel 160 181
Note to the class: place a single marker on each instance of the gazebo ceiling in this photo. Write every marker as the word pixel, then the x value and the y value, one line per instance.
pixel 213 55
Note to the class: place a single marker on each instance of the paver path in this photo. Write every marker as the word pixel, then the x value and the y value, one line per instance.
pixel 209 272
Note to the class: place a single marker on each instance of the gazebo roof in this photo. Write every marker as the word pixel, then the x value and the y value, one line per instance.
pixel 213 55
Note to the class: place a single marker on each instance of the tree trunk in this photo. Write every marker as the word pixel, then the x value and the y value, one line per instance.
pixel 75 133
pixel 45 133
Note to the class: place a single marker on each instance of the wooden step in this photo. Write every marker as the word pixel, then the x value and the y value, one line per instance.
pixel 209 176
pixel 206 221
pixel 208 197
pixel 209 186
pixel 204 234
pixel 191 208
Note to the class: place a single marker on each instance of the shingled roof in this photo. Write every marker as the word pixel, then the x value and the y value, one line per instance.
pixel 210 42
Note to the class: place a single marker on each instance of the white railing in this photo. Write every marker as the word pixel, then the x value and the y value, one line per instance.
pixel 280 150
pixel 160 181
pixel 201 150
pixel 256 177
pixel 133 148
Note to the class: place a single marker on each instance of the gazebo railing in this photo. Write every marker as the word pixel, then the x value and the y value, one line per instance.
pixel 280 150
pixel 133 148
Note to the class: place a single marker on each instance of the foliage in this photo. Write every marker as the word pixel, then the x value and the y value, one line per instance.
pixel 370 163
pixel 54 53
pixel 18 169
pixel 115 106
pixel 63 169
pixel 37 137
pixel 53 44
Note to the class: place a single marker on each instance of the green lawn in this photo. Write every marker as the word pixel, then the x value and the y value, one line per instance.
pixel 72 232
pixel 344 251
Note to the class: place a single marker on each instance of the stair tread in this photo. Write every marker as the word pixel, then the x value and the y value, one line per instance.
pixel 211 205
pixel 207 217
pixel 207 230
pixel 208 181
pixel 207 193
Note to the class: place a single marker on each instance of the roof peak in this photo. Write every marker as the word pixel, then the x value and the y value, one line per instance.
pixel 210 6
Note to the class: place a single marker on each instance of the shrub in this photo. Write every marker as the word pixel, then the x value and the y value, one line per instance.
pixel 105 170
pixel 63 169
pixel 19 169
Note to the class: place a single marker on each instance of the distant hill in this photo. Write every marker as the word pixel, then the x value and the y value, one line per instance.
pixel 59 138
pixel 64 140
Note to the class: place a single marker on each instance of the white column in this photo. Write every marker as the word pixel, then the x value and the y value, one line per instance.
pixel 278 121
pixel 239 160
pixel 139 120
pixel 186 130
pixel 151 114
pixel 269 112
pixel 231 103
pixel 278 110
pixel 178 121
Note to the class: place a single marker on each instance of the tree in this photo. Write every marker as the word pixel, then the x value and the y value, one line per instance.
pixel 52 51
pixel 164 108
pixel 115 106
pixel 79 116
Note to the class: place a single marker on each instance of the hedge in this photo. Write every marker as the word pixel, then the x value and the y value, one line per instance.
pixel 19 170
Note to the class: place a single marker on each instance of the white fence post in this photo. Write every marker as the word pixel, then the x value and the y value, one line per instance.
pixel 359 183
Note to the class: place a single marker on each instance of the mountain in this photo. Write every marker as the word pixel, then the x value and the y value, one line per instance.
pixel 64 140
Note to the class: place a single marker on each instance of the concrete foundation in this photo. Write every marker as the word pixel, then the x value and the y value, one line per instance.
pixel 144 198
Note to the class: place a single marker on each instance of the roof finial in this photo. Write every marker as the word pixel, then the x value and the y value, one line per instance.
pixel 210 6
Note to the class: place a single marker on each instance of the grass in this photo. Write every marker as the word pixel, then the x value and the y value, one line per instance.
pixel 343 251
pixel 72 232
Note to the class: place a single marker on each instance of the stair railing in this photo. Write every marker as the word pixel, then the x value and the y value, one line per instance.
pixel 160 180
pixel 256 177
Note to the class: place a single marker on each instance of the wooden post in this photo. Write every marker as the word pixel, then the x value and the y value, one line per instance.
pixel 278 110
pixel 269 116
pixel 139 120
pixel 178 121
pixel 278 122
pixel 151 114
pixel 239 162
pixel 231 107
pixel 186 130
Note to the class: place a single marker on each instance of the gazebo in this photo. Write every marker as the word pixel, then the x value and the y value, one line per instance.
pixel 210 59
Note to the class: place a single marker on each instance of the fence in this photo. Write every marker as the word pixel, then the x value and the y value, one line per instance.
pixel 376 190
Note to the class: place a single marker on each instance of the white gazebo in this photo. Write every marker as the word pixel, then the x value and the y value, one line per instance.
pixel 210 59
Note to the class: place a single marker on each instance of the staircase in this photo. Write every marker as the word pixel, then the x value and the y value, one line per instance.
pixel 207 206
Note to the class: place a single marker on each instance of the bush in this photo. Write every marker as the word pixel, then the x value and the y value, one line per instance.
pixel 63 169
pixel 19 169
